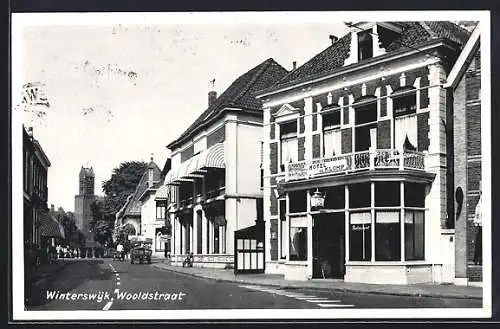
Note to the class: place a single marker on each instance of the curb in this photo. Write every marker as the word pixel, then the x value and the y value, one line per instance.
pixel 285 286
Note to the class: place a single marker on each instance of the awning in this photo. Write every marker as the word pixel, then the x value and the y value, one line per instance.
pixel 213 157
pixel 49 227
pixel 162 193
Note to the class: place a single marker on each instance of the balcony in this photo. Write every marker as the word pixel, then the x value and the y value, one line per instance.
pixel 355 162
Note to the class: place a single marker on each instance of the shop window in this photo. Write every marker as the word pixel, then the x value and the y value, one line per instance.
pixel 414 235
pixel 289 143
pixel 161 209
pixel 298 238
pixel 283 237
pixel 387 236
pixel 335 197
pixel 360 195
pixel 387 194
pixel 360 238
pixel 366 126
pixel 365 45
pixel 414 195
pixel 298 201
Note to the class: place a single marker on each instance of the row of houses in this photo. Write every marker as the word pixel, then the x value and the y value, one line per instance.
pixel 363 164
pixel 41 229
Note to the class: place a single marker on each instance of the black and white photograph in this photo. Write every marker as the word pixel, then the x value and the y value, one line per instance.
pixel 251 165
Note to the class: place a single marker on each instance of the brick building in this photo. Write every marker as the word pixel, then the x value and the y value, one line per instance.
pixel 464 87
pixel 40 228
pixel 358 172
pixel 214 186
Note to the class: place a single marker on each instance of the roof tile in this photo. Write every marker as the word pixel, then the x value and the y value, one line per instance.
pixel 333 57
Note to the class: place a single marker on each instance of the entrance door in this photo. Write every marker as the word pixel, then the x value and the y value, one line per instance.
pixel 328 246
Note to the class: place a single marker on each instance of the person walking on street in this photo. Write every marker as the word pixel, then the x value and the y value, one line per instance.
pixel 119 250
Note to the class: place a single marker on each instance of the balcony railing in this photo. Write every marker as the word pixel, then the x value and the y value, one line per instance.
pixel 215 193
pixel 353 162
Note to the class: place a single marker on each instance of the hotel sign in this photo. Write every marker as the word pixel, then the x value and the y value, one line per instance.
pixel 316 167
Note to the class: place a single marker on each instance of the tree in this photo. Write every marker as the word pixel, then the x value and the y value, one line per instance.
pixel 72 236
pixel 122 183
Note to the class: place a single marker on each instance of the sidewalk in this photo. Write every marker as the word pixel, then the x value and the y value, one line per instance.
pixel 276 280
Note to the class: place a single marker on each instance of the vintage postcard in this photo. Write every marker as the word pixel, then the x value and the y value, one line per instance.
pixel 272 165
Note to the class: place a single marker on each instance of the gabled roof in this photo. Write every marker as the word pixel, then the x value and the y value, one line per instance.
pixel 414 34
pixel 133 204
pixel 240 94
pixel 463 61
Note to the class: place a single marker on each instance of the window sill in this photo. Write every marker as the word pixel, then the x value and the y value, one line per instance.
pixel 388 263
pixel 297 262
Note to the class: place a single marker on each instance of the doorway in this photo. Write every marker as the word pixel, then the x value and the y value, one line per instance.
pixel 328 246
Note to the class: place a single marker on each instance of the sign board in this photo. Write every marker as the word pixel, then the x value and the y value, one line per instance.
pixel 140 238
pixel 316 167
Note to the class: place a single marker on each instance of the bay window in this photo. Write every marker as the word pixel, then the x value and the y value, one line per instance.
pixel 298 238
pixel 414 235
pixel 387 236
pixel 360 237
pixel 332 142
pixel 289 143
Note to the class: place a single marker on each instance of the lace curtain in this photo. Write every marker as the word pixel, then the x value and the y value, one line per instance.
pixel 289 150
pixel 405 127
pixel 332 143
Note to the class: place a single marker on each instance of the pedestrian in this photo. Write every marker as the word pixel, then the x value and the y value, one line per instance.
pixel 119 251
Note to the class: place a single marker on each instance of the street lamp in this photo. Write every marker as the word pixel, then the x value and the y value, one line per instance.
pixel 317 200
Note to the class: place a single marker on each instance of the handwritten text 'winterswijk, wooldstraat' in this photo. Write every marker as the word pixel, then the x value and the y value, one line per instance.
pixel 101 296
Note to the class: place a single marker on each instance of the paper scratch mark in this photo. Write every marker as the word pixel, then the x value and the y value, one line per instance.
pixel 87 110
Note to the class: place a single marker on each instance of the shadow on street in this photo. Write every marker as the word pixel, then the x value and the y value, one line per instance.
pixel 72 274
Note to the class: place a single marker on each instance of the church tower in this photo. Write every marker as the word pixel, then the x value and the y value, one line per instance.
pixel 85 197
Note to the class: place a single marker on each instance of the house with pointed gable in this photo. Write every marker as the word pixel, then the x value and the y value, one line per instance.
pixel 357 169
pixel 130 213
pixel 214 186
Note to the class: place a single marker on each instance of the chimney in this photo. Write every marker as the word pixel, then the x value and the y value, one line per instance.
pixel 333 38
pixel 52 208
pixel 294 64
pixel 30 131
pixel 212 94
pixel 150 172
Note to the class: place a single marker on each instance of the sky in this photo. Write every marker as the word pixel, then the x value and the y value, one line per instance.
pixel 122 91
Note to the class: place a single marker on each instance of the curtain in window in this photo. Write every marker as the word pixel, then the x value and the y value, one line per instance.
pixel 289 150
pixel 332 143
pixel 405 127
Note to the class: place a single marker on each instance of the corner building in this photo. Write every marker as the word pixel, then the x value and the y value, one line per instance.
pixel 214 187
pixel 362 126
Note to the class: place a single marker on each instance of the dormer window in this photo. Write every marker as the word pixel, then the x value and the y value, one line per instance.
pixel 371 39
pixel 365 45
